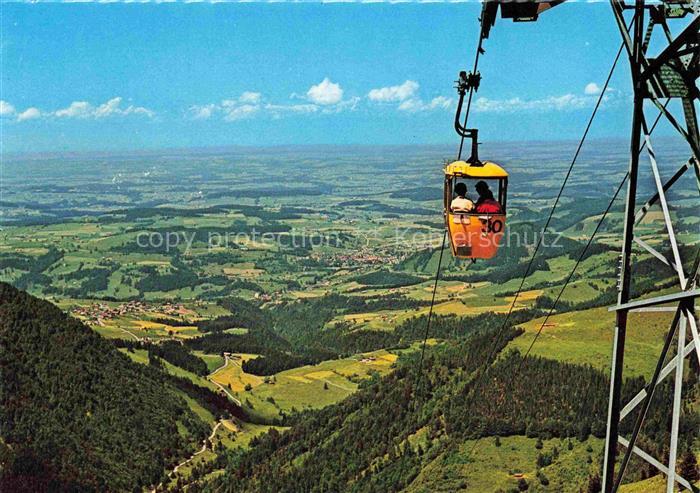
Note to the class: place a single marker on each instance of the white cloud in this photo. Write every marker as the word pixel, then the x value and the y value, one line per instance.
pixel 440 102
pixel 292 108
pixel 6 109
pixel 325 92
pixel 566 102
pixel 411 105
pixel 203 112
pixel 348 104
pixel 29 114
pixel 234 111
pixel 394 94
pixel 108 108
pixel 250 104
pixel 406 95
pixel 414 105
pixel 592 89
pixel 250 97
pixel 278 111
pixel 112 107
pixel 83 109
pixel 240 108
pixel 140 110
pixel 77 109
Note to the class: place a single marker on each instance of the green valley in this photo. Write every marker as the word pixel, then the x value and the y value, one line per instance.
pixel 189 327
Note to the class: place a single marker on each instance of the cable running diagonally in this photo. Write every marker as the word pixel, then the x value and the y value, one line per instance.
pixel 430 312
pixel 554 208
pixel 499 334
pixel 585 250
pixel 581 256
pixel 479 50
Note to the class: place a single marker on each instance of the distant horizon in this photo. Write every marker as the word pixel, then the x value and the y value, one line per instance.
pixel 246 147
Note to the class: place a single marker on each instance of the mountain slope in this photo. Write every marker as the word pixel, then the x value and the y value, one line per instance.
pixel 415 432
pixel 77 414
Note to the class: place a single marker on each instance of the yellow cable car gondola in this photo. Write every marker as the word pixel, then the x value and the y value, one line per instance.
pixel 476 227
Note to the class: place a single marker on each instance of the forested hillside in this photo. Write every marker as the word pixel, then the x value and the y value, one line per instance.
pixel 381 438
pixel 77 415
pixel 239 338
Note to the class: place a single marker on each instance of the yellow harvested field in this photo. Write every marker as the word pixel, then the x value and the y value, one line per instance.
pixel 230 425
pixel 147 324
pixel 184 331
pixel 453 307
pixel 153 262
pixel 456 288
pixel 237 271
pixel 299 378
pixel 255 245
pixel 527 295
pixel 244 356
pixel 360 317
pixel 319 374
pixel 28 250
pixel 310 293
pixel 386 359
pixel 457 307
pixel 232 376
pixel 653 215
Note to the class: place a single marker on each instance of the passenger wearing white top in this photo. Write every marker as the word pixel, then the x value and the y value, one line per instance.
pixel 461 203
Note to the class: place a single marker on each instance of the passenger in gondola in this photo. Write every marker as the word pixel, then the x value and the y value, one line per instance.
pixel 486 204
pixel 461 203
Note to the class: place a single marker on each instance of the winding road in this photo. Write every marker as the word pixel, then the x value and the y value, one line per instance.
pixel 213 431
pixel 203 449
pixel 199 452
pixel 131 334
pixel 226 361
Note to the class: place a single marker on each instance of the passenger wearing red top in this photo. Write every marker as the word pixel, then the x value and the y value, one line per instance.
pixel 486 204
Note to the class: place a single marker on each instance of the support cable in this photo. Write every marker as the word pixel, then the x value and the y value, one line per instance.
pixel 554 207
pixel 590 241
pixel 551 310
pixel 583 253
pixel 499 334
pixel 430 312
pixel 571 274
pixel 479 50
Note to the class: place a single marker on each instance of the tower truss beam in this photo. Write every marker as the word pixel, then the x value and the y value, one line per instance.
pixel 672 74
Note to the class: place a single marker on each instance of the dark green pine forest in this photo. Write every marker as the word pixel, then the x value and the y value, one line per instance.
pixel 270 365
pixel 76 414
pixel 368 442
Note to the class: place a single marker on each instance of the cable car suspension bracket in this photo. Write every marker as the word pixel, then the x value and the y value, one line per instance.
pixel 468 82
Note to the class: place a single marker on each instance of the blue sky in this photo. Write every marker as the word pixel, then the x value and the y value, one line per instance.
pixel 132 76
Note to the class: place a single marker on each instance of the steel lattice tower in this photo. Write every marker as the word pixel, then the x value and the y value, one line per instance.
pixel 670 75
